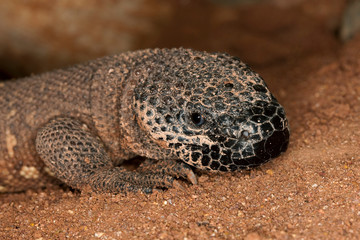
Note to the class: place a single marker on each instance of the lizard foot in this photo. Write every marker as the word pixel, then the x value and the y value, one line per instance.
pixel 121 180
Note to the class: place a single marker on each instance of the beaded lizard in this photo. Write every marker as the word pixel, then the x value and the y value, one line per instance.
pixel 180 109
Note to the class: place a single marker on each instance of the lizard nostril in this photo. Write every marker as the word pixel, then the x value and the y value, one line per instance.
pixel 245 134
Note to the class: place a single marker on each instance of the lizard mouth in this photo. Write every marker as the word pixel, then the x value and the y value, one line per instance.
pixel 252 155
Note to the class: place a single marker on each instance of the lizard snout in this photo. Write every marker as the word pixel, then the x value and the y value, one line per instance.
pixel 269 148
pixel 277 143
pixel 261 137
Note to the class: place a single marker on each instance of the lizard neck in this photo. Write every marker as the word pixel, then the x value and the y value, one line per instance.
pixel 137 139
pixel 112 106
pixel 106 88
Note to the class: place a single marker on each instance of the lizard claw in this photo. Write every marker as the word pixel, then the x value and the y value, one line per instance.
pixel 169 167
pixel 192 178
pixel 176 184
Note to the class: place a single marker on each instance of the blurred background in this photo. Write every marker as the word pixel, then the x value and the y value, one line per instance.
pixel 40 35
pixel 306 50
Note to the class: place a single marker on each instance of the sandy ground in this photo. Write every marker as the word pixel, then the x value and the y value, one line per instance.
pixel 310 192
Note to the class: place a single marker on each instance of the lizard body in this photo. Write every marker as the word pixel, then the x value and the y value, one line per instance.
pixel 176 107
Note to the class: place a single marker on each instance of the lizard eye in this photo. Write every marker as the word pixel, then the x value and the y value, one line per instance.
pixel 197 119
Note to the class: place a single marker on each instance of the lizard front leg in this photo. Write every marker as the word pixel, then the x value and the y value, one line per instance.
pixel 77 157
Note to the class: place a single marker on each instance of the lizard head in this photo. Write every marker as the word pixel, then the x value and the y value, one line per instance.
pixel 211 110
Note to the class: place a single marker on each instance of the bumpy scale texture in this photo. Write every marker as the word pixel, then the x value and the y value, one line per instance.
pixel 179 108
